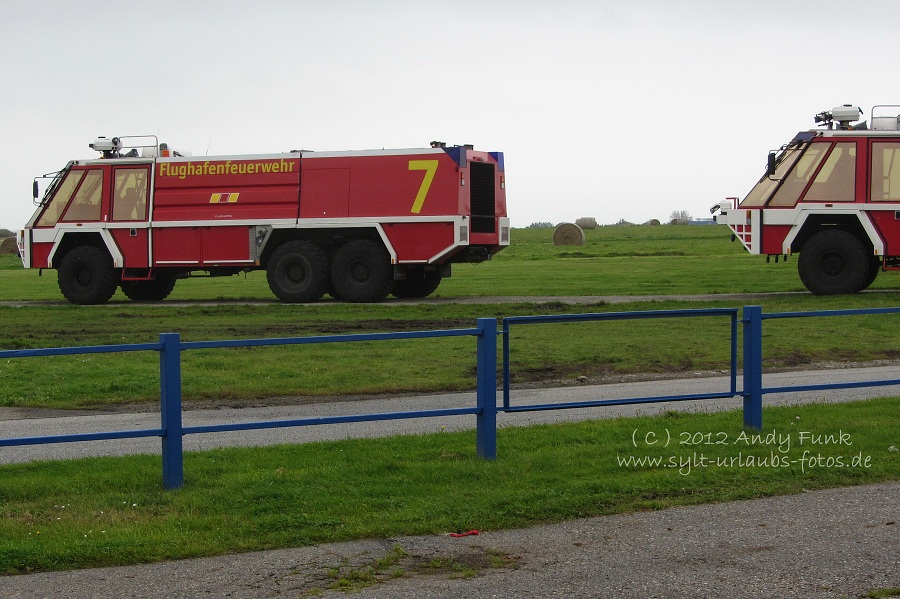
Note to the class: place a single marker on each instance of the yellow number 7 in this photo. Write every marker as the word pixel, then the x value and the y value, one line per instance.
pixel 430 168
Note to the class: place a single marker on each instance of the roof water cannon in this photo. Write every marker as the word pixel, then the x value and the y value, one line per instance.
pixel 108 147
pixel 842 115
pixel 113 147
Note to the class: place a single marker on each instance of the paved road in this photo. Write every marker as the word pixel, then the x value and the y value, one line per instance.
pixel 823 544
pixel 835 543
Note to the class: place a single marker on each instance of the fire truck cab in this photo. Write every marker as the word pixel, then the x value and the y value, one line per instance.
pixel 358 225
pixel 833 196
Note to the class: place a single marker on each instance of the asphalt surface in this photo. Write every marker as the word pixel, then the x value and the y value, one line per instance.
pixel 824 544
pixel 833 543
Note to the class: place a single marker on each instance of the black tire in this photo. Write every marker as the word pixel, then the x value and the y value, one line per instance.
pixel 417 284
pixel 150 291
pixel 874 269
pixel 362 272
pixel 298 272
pixel 834 262
pixel 86 275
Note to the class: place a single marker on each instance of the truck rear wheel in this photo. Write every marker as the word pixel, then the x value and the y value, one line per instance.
pixel 86 276
pixel 362 272
pixel 298 272
pixel 834 262
pixel 149 291
pixel 418 283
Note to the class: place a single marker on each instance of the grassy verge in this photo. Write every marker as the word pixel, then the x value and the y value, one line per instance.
pixel 111 511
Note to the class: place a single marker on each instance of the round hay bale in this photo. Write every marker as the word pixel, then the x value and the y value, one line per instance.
pixel 588 222
pixel 653 222
pixel 8 246
pixel 568 234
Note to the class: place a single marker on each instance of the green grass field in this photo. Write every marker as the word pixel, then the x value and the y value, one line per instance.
pixel 109 511
pixel 630 261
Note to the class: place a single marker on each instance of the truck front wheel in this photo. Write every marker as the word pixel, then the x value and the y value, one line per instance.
pixel 362 272
pixel 298 272
pixel 834 262
pixel 86 275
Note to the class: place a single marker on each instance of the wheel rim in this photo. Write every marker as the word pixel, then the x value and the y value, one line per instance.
pixel 833 264
pixel 83 277
pixel 359 271
pixel 295 273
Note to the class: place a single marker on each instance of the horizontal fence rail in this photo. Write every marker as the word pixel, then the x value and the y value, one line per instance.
pixel 170 347
pixel 753 357
pixel 172 429
pixel 73 351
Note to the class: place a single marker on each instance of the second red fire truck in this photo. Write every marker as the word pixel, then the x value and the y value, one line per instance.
pixel 357 225
pixel 833 196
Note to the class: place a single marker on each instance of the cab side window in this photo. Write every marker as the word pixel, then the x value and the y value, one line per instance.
pixel 836 180
pixel 885 172
pixel 130 194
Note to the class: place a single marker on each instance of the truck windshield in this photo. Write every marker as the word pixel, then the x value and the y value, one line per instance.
pixel 51 189
pixel 55 207
pixel 794 183
pixel 763 190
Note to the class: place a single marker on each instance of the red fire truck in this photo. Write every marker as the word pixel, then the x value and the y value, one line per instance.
pixel 831 194
pixel 357 225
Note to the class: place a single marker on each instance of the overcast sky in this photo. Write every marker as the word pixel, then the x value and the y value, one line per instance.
pixel 612 109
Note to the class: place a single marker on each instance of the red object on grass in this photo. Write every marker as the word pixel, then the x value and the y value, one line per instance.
pixel 456 535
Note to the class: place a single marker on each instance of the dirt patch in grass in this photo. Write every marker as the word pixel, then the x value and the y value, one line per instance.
pixel 355 570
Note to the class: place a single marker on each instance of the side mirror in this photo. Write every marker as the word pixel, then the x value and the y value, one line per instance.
pixel 770 169
pixel 34 190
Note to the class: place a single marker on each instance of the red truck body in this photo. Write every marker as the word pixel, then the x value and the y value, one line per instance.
pixel 833 197
pixel 358 225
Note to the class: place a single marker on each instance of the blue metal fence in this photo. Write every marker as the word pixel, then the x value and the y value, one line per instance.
pixel 170 346
pixel 509 322
pixel 753 355
pixel 172 429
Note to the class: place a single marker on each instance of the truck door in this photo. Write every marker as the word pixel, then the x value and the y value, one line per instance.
pixel 130 193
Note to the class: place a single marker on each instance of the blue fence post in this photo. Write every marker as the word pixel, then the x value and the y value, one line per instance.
pixel 753 367
pixel 486 420
pixel 505 364
pixel 170 410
